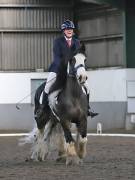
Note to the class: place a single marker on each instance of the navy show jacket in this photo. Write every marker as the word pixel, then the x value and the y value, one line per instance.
pixel 61 50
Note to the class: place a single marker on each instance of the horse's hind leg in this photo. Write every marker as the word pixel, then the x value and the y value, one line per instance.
pixel 72 157
pixel 81 140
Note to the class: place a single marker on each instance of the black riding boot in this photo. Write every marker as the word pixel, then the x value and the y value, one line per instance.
pixel 90 112
pixel 45 101
pixel 42 115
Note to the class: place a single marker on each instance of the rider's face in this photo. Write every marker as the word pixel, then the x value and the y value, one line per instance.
pixel 68 33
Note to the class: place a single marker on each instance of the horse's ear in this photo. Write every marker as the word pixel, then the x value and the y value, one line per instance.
pixel 82 47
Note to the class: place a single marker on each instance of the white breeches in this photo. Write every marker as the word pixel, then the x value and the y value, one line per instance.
pixel 51 79
pixel 87 86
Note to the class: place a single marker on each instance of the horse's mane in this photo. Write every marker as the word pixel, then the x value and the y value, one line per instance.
pixel 81 49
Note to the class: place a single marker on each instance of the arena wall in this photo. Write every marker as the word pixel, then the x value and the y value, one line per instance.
pixel 108 89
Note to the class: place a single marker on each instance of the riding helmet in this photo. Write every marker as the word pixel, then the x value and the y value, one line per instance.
pixel 67 25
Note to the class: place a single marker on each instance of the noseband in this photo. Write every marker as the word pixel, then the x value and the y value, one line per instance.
pixel 77 67
pixel 74 69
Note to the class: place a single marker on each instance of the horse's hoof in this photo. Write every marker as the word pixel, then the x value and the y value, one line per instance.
pixel 72 160
pixel 80 161
pixel 40 159
pixel 61 159
pixel 29 160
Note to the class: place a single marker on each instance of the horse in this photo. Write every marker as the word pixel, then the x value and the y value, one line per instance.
pixel 70 106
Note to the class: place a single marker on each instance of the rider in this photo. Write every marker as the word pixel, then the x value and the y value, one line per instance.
pixel 63 46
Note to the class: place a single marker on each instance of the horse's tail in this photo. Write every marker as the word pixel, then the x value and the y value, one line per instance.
pixel 39 143
pixel 30 138
pixel 44 142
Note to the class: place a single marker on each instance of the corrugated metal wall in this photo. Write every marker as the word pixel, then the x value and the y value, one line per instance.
pixel 27 31
pixel 101 28
pixel 28 28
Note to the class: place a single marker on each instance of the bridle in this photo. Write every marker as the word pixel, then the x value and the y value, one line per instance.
pixel 72 70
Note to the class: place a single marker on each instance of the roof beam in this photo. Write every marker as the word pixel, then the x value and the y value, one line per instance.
pixel 93 1
pixel 115 3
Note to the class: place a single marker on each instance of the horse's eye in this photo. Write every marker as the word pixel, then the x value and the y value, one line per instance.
pixel 85 60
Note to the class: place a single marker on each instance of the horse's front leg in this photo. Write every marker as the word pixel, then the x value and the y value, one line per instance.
pixel 72 157
pixel 81 140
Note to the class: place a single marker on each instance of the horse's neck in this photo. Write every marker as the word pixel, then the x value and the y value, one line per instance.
pixel 73 86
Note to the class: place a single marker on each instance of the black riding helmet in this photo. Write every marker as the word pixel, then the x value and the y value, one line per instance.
pixel 67 25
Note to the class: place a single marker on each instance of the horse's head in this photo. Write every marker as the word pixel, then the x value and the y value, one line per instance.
pixel 77 65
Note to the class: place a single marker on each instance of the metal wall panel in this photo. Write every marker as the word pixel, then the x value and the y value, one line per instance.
pixel 27 32
pixel 100 26
pixel 29 2
pixel 34 18
pixel 104 53
pixel 96 55
pixel 1 36
pixel 102 31
pixel 27 51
